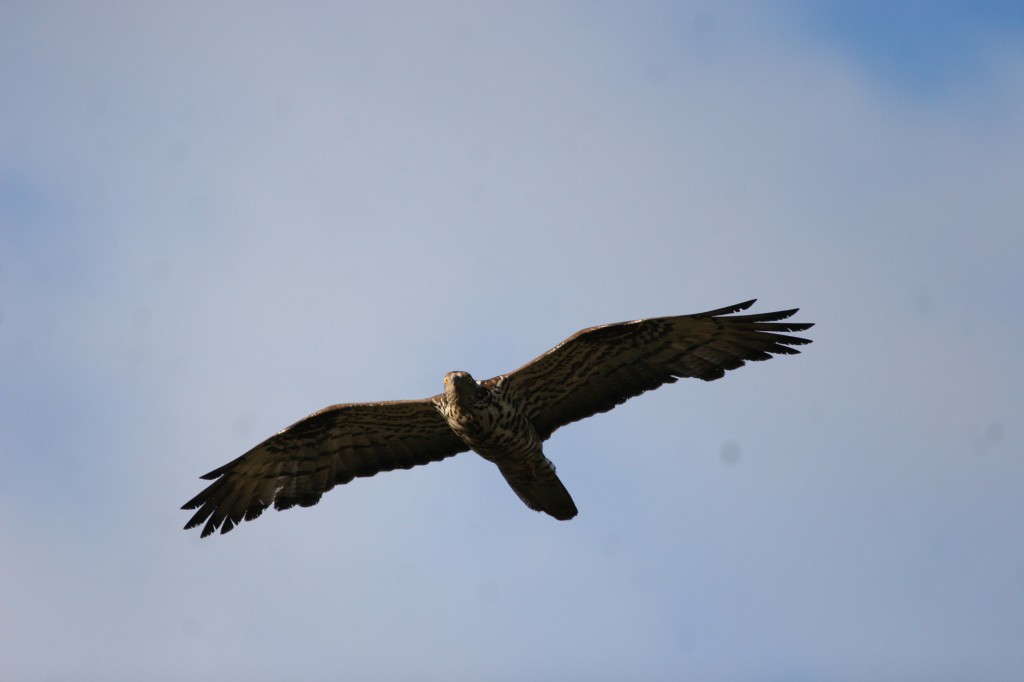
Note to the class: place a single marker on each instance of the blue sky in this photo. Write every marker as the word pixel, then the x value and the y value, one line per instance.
pixel 929 49
pixel 217 218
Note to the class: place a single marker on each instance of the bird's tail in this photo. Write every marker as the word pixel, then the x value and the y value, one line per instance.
pixel 538 486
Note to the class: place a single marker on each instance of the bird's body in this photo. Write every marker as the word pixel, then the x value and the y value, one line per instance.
pixel 497 428
pixel 505 419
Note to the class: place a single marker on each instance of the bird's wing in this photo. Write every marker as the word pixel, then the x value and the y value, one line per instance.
pixel 327 448
pixel 598 368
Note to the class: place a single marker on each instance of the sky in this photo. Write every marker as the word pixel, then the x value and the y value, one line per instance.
pixel 216 218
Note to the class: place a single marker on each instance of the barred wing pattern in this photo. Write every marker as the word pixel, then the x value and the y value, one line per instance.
pixel 327 448
pixel 601 367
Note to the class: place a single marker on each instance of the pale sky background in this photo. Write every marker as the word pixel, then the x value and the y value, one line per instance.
pixel 216 218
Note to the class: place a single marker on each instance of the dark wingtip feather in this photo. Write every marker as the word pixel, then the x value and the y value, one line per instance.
pixel 221 470
pixel 728 310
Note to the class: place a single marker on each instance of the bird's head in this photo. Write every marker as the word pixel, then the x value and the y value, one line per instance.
pixel 461 387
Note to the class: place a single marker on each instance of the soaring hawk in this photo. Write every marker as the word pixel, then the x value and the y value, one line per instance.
pixel 505 419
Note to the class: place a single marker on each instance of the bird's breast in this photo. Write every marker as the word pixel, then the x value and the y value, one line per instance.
pixel 496 429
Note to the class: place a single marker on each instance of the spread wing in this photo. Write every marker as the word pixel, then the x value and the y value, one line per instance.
pixel 327 448
pixel 598 368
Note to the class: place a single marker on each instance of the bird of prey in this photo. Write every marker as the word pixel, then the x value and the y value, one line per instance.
pixel 505 419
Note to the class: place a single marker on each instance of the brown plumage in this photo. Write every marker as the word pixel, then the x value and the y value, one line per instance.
pixel 504 419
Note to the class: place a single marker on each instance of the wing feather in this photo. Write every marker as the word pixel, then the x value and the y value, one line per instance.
pixel 601 367
pixel 327 448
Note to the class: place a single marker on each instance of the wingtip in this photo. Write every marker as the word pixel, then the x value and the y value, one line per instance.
pixel 728 310
pixel 216 473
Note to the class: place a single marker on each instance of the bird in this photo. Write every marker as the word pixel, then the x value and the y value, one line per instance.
pixel 505 419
